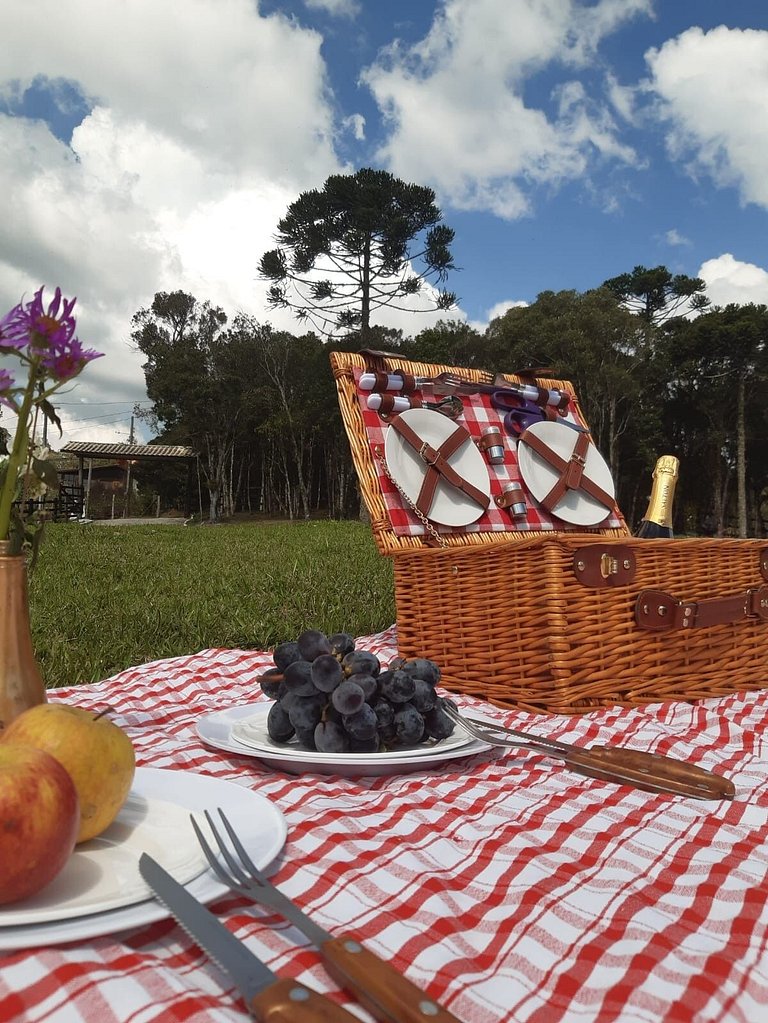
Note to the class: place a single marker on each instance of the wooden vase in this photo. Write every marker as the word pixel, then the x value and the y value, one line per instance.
pixel 21 684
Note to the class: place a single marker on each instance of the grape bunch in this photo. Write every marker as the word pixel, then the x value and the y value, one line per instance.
pixel 336 699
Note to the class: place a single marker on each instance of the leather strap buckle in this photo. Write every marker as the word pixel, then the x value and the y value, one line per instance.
pixel 658 611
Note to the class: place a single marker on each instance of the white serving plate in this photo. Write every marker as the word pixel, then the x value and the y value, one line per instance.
pixel 90 904
pixel 539 476
pixel 450 507
pixel 220 729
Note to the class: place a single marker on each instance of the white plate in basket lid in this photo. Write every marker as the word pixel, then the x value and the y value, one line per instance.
pixel 449 506
pixel 566 474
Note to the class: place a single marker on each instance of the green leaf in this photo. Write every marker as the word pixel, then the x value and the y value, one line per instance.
pixel 50 414
pixel 45 471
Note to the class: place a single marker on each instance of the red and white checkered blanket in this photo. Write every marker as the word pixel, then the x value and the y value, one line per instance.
pixel 507 887
pixel 478 414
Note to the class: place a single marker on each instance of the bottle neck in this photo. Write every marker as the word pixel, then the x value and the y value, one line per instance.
pixel 662 498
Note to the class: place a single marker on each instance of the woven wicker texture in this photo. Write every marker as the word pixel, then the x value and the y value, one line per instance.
pixel 512 623
pixel 507 619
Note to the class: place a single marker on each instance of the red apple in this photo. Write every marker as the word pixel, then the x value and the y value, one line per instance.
pixel 39 820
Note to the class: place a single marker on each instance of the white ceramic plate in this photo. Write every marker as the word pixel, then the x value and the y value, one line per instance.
pixel 450 507
pixel 103 874
pixel 252 732
pixel 539 476
pixel 217 730
pixel 259 823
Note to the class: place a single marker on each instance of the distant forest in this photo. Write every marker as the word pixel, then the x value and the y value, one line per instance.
pixel 260 405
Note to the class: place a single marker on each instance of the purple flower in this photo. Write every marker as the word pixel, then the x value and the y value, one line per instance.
pixel 33 325
pixel 66 357
pixel 47 335
pixel 14 330
pixel 6 385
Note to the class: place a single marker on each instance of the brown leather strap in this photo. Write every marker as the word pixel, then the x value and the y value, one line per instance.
pixel 660 612
pixel 387 405
pixel 572 475
pixel 436 460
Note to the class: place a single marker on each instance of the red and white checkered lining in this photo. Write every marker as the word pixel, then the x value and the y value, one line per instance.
pixel 505 886
pixel 478 414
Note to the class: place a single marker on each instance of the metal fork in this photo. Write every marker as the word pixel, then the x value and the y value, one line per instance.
pixel 387 994
pixel 651 772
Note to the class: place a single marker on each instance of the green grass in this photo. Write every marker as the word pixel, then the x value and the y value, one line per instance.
pixel 103 598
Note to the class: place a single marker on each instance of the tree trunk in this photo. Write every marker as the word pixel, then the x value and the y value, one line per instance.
pixel 741 459
pixel 365 298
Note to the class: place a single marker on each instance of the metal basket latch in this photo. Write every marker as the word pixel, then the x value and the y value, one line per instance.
pixel 604 565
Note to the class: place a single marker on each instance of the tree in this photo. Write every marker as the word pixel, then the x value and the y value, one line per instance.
pixel 192 387
pixel 656 295
pixel 589 339
pixel 346 251
pixel 720 372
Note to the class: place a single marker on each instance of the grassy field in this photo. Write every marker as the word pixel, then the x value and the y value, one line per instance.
pixel 104 598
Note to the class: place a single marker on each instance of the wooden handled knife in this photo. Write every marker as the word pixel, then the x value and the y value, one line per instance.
pixel 269 998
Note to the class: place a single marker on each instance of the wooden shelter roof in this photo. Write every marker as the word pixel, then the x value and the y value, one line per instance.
pixel 87 449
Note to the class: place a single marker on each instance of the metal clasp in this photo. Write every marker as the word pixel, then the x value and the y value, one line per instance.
pixel 423 454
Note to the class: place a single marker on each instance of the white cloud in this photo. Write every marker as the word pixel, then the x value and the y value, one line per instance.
pixel 501 307
pixel 713 88
pixel 731 280
pixel 496 310
pixel 205 122
pixel 674 237
pixel 456 109
pixel 337 8
pixel 356 124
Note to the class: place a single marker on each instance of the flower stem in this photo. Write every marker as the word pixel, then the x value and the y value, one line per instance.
pixel 16 457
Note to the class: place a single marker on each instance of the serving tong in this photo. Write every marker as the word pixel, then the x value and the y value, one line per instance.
pixel 651 772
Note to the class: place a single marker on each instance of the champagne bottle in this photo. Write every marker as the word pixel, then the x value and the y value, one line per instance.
pixel 656 524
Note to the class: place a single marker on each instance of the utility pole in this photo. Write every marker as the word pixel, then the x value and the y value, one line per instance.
pixel 127 511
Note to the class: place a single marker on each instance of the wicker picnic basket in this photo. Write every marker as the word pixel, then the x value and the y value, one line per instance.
pixel 565 621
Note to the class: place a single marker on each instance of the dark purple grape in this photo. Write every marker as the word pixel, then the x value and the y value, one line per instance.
pixel 420 667
pixel 363 724
pixel 279 727
pixel 396 686
pixel 306 737
pixel 330 737
pixel 425 697
pixel 298 678
pixel 385 713
pixel 313 643
pixel 437 724
pixel 342 643
pixel 367 683
pixel 306 712
pixel 361 662
pixel 388 733
pixel 287 700
pixel 285 654
pixel 348 698
pixel 371 745
pixel 331 714
pixel 326 673
pixel 409 725
pixel 270 682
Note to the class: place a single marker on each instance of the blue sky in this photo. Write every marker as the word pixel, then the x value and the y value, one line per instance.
pixel 567 142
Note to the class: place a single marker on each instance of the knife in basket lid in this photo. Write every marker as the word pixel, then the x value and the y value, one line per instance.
pixel 270 999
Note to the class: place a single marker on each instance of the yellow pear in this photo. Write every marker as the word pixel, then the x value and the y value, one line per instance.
pixel 97 754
